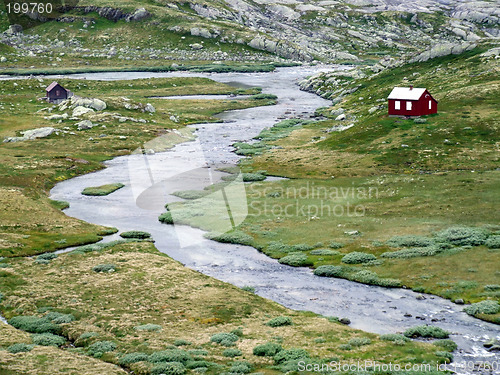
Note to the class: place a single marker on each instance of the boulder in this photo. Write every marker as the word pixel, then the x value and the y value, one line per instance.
pixel 14 29
pixel 31 134
pixel 341 117
pixel 149 108
pixel 139 15
pixel 373 110
pixel 80 111
pixel 93 103
pixel 196 46
pixel 84 125
pixel 337 112
pixel 199 31
pixel 64 116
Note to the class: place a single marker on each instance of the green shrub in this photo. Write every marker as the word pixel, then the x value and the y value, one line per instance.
pixel 302 247
pixel 240 367
pixel 447 356
pixel 493 242
pixel 48 339
pixel 181 342
pixel 224 338
pixel 166 218
pixel 129 358
pixel 198 352
pixel 234 237
pixel 446 344
pixel 263 96
pixel 325 252
pixel 170 355
pixel 42 261
pixel 293 354
pixel 148 327
pixel 359 341
pixel 413 252
pixel 483 307
pixel 248 288
pixel 461 236
pixel 279 247
pixel 366 277
pixel 87 335
pixel 345 347
pixel 492 287
pixel 168 368
pixel 20 348
pixel 269 349
pixel 198 364
pixel 357 257
pixel 108 268
pixel 102 190
pixel 394 337
pixel 34 324
pixel 231 353
pixel 98 348
pixel 426 331
pixel 135 234
pixel 410 241
pixel 249 177
pixel 330 271
pixel 47 256
pixel 280 321
pixel 295 260
pixel 59 318
pixel 336 245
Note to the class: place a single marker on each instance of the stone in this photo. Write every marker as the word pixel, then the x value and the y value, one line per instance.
pixel 420 297
pixel 345 321
pixel 64 116
pixel 341 117
pixel 84 125
pixel 97 104
pixel 459 301
pixel 337 112
pixel 80 111
pixel 14 29
pixel 149 108
pixel 196 46
pixel 3 59
pixel 373 110
pixel 199 31
pixel 139 15
pixel 32 134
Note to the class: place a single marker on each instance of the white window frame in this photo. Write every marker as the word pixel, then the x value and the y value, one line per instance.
pixel 408 105
pixel 430 104
pixel 397 105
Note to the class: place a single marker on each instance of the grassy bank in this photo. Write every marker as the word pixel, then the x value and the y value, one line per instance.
pixel 151 307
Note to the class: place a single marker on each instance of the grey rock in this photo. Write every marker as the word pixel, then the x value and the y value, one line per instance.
pixel 32 134
pixel 345 321
pixel 337 112
pixel 341 117
pixel 196 46
pixel 149 108
pixel 84 125
pixel 459 301
pixel 14 29
pixel 139 15
pixel 199 31
pixel 80 111
pixel 373 110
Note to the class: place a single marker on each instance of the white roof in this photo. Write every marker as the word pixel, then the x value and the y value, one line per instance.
pixel 405 93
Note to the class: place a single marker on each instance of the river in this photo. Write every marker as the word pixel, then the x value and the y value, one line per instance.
pixel 370 308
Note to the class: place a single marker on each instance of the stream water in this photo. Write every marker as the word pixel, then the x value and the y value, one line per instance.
pixel 370 308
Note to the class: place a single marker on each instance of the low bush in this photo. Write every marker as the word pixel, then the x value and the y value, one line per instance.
pixel 191 194
pixel 47 256
pixel 234 237
pixel 302 247
pixel 248 288
pixel 166 218
pixel 107 268
pixel 168 368
pixel 135 234
pixel 232 352
pixel 293 354
pixel 269 349
pixel 330 271
pixel 446 344
pixel 59 318
pixel 102 190
pixel 224 338
pixel 359 341
pixel 129 358
pixel 295 260
pixel 20 348
pixel 345 347
pixel 394 337
pixel 181 342
pixel 493 242
pixel 48 339
pixel 148 327
pixel 240 367
pixel 325 252
pixel 34 324
pixel 87 335
pixel 413 252
pixel 170 355
pixel 198 364
pixel 279 247
pixel 462 236
pixel 410 241
pixel 98 348
pixel 250 177
pixel 198 352
pixel 483 307
pixel 357 257
pixel 447 356
pixel 336 245
pixel 426 331
pixel 365 277
pixel 492 287
pixel 280 321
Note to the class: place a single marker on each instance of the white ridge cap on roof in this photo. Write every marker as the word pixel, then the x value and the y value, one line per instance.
pixel 405 93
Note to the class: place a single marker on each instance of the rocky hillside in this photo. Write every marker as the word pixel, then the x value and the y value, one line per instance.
pixel 247 30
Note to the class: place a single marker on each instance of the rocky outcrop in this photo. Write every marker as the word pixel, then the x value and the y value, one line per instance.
pixel 443 50
pixel 31 134
pixel 14 29
pixel 112 14
pixel 97 104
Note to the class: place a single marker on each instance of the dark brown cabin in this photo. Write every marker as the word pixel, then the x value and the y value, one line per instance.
pixel 56 93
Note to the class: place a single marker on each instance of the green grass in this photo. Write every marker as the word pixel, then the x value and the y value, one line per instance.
pixel 102 190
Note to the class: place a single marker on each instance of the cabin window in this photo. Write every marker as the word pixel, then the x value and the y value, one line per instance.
pixel 408 106
pixel 397 105
pixel 430 104
pixel 58 92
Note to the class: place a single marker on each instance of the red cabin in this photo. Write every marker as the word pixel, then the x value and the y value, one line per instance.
pixel 56 93
pixel 411 101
